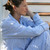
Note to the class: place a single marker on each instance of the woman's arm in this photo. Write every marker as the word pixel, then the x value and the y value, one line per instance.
pixel 35 17
pixel 21 31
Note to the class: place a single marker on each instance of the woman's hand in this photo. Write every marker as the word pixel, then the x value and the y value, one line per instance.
pixel 29 13
pixel 48 23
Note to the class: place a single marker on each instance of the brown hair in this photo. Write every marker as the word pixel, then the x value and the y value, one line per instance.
pixel 9 7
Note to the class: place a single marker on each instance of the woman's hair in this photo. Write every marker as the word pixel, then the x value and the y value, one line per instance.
pixel 9 7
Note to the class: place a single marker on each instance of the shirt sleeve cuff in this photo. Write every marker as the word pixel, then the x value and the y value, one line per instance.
pixel 36 17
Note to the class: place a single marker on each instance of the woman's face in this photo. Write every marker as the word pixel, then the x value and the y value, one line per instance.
pixel 22 9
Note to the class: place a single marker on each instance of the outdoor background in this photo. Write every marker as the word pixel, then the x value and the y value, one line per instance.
pixel 33 8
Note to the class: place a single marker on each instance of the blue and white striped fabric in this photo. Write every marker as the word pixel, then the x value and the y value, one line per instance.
pixel 17 36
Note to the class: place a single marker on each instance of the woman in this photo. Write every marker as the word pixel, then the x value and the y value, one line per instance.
pixel 19 32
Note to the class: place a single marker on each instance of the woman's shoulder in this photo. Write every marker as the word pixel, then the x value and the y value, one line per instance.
pixel 6 21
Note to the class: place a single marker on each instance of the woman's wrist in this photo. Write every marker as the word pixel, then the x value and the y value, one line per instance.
pixel 31 14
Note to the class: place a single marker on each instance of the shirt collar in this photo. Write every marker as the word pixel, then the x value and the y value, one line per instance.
pixel 13 18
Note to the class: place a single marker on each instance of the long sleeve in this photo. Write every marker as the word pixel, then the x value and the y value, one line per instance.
pixel 17 30
pixel 36 20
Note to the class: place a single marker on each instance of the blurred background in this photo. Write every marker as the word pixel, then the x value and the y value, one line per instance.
pixel 40 6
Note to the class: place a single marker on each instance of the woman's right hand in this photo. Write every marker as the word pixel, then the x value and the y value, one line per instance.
pixel 29 13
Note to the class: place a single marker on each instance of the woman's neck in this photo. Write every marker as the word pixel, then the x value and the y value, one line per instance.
pixel 17 17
